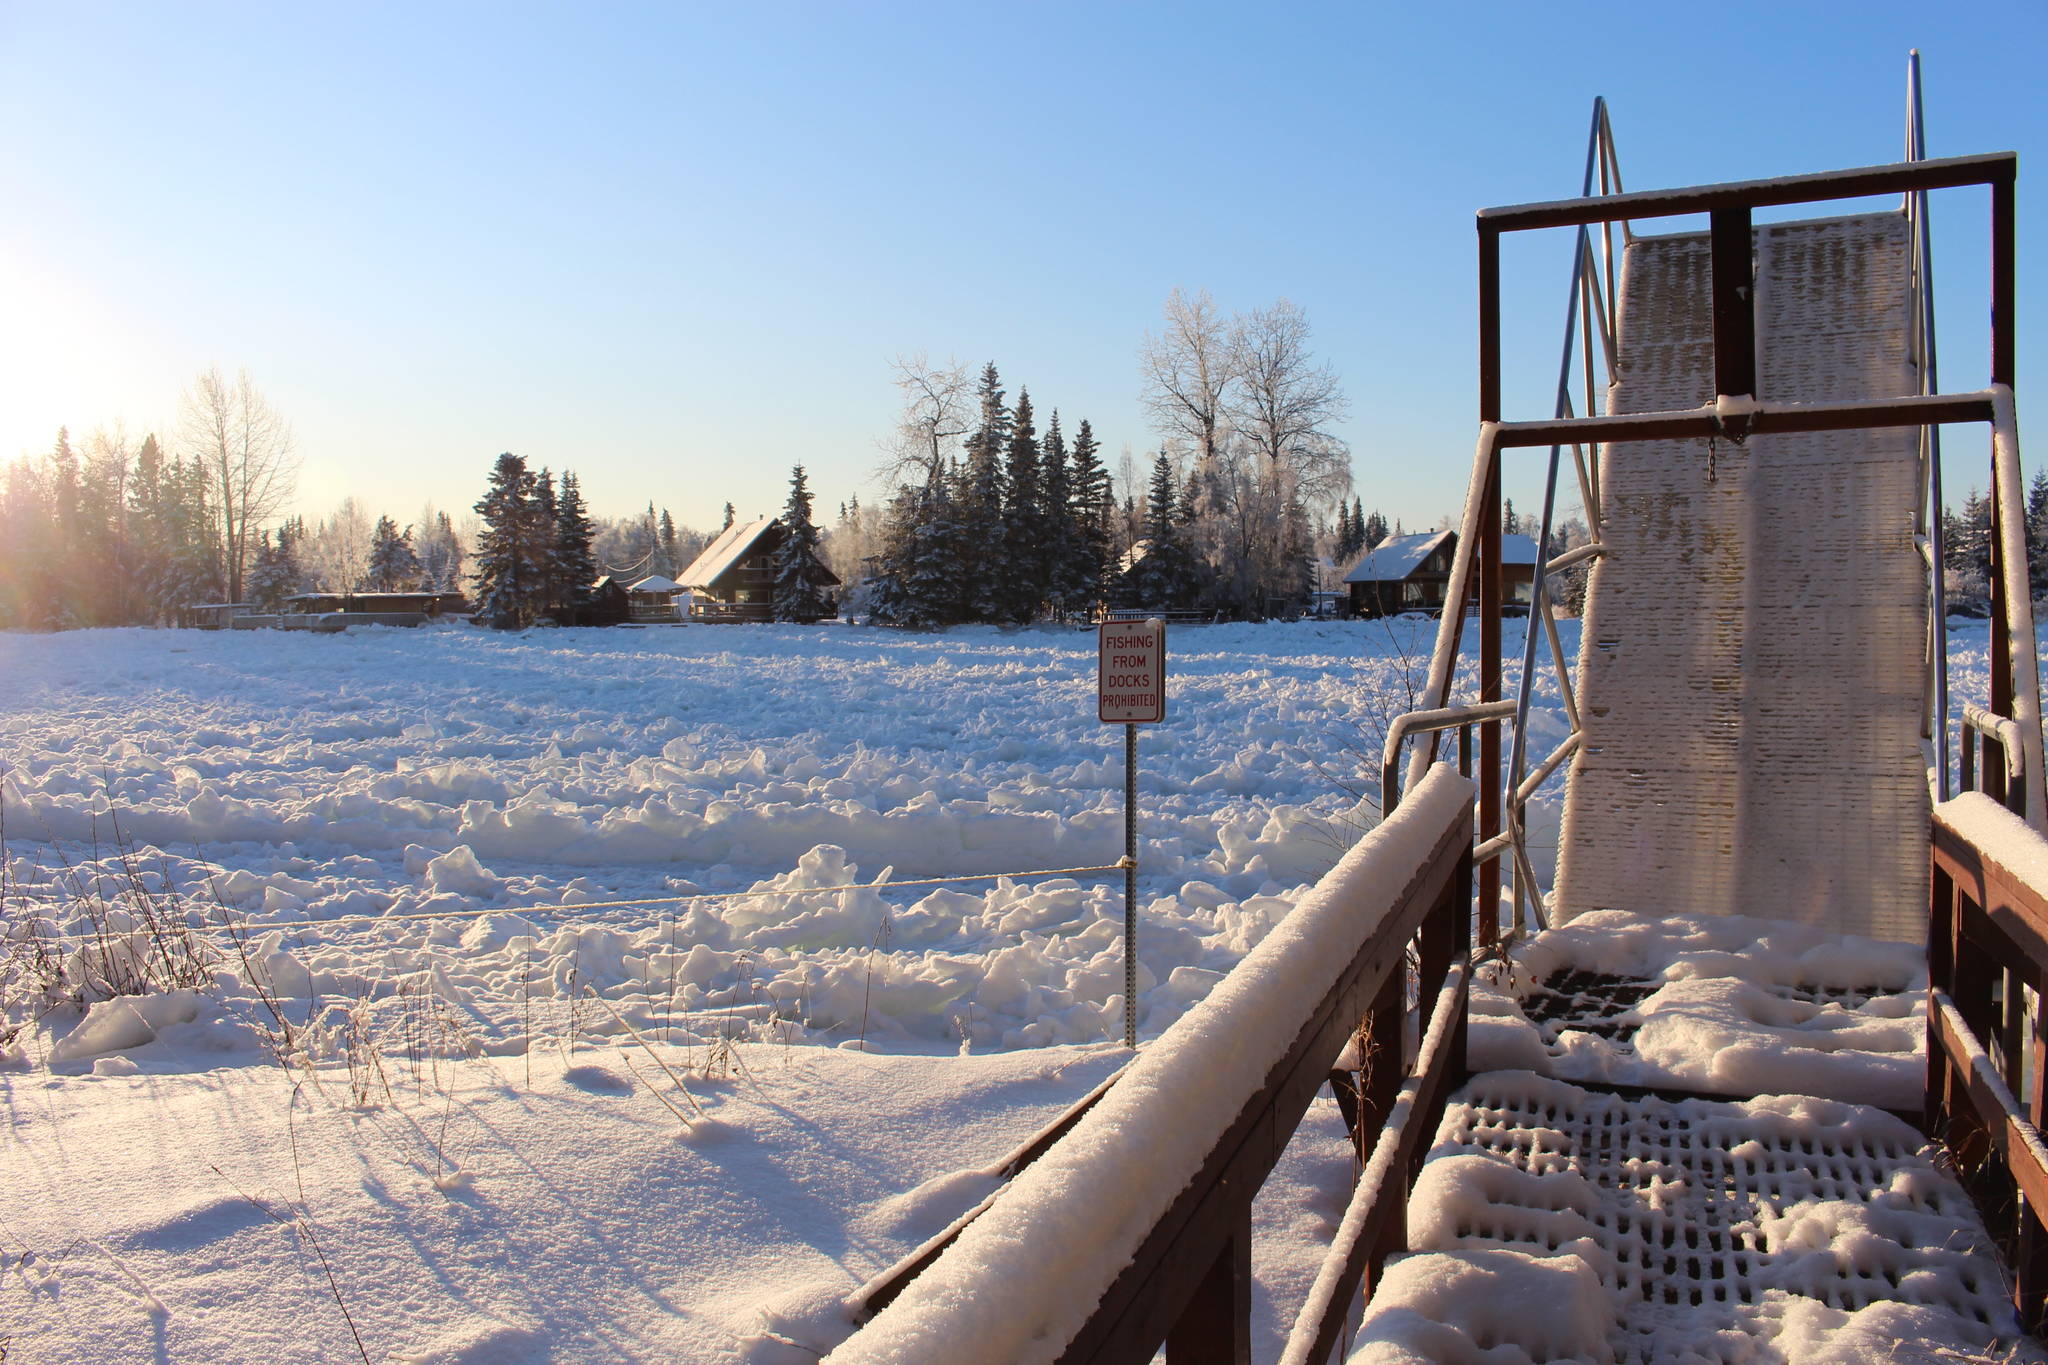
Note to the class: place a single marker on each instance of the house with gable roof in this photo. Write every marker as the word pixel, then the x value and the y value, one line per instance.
pixel 1413 573
pixel 734 578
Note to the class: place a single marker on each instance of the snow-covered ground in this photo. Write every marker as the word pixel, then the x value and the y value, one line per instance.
pixel 412 843
pixel 479 891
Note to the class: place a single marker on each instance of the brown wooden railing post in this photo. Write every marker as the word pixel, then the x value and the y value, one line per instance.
pixel 2031 1271
pixel 1386 1068
pixel 1941 957
pixel 1216 1326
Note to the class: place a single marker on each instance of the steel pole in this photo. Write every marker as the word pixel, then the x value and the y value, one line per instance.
pixel 1130 886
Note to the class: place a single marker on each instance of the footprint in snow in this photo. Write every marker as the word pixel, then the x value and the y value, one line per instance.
pixel 597 1080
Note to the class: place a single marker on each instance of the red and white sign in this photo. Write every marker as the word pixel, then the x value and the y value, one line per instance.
pixel 1132 675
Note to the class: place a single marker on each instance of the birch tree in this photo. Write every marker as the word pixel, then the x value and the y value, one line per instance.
pixel 1187 372
pixel 1284 404
pixel 938 409
pixel 250 457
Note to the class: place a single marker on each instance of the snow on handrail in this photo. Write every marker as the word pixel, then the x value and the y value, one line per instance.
pixel 2004 729
pixel 1337 1279
pixel 1999 837
pixel 1026 1277
pixel 2019 606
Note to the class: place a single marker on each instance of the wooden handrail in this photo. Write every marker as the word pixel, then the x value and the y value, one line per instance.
pixel 1986 1097
pixel 1185 1282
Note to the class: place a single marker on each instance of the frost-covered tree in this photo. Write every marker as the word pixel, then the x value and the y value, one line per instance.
pixel 275 575
pixel 800 577
pixel 671 549
pixel 1022 584
pixel 509 549
pixel 393 565
pixel 440 551
pixel 1162 575
pixel 2037 534
pixel 573 565
pixel 1188 371
pixel 247 450
pixel 1065 585
pixel 919 582
pixel 336 552
pixel 1095 514
pixel 979 496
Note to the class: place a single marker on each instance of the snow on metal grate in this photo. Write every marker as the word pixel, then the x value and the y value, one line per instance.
pixel 1722 1231
pixel 1724 1005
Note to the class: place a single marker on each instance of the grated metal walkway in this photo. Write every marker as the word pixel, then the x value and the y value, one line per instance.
pixel 1714 1226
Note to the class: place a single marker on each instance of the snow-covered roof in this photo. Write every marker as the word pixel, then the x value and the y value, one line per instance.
pixel 1394 558
pixel 655 582
pixel 722 554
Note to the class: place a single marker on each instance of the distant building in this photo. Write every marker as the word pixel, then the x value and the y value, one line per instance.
pixel 1412 573
pixel 734 578
pixel 653 600
pixel 605 603
pixel 211 615
pixel 334 611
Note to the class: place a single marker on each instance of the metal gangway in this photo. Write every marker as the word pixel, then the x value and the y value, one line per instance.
pixel 1752 418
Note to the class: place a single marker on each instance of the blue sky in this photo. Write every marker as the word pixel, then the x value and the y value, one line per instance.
pixel 675 247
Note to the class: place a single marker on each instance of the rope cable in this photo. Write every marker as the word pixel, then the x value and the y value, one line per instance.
pixel 689 899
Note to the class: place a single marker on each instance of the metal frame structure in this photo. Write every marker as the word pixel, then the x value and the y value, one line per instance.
pixel 1187 1284
pixel 1508 781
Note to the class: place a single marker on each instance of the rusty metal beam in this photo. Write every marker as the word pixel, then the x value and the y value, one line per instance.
pixel 1734 298
pixel 1766 421
pixel 1952 172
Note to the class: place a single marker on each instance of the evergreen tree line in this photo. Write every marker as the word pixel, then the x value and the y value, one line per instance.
pixel 1966 547
pixel 1355 534
pixel 346 554
pixel 802 582
pixel 114 534
pixel 533 555
pixel 1009 527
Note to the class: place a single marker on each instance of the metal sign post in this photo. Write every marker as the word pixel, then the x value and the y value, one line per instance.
pixel 1131 691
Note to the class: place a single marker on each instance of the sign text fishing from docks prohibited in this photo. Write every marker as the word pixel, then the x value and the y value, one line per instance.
pixel 1132 672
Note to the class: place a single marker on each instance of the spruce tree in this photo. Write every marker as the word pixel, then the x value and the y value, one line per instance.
pixel 2037 534
pixel 575 567
pixel 1023 587
pixel 1094 512
pixel 984 559
pixel 152 498
pixel 269 583
pixel 1065 587
pixel 507 549
pixel 888 595
pixel 670 549
pixel 919 581
pixel 393 566
pixel 1161 579
pixel 440 554
pixel 548 588
pixel 1375 530
pixel 800 579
